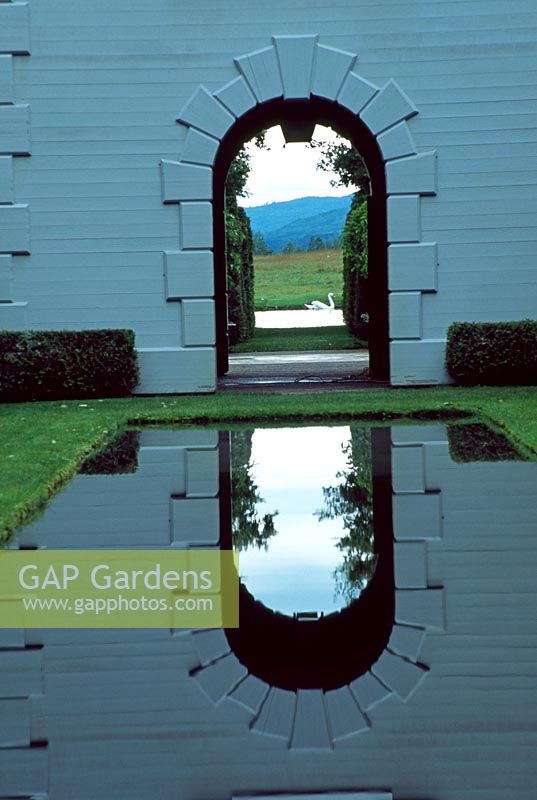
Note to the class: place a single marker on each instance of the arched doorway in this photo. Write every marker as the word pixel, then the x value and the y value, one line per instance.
pixel 298 116
pixel 298 79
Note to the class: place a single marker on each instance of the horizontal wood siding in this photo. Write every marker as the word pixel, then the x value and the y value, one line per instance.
pixel 105 86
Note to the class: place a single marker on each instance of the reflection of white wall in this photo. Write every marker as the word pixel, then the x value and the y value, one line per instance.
pixel 171 499
pixel 124 719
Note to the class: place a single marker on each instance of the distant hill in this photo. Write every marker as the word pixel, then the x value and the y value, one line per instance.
pixel 297 221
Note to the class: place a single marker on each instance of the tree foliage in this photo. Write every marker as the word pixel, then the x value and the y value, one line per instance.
pixel 352 502
pixel 351 171
pixel 346 162
pixel 261 248
pixel 248 527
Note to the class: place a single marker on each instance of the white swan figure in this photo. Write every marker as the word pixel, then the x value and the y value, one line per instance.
pixel 317 305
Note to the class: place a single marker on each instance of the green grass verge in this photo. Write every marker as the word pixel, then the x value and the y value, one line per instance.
pixel 274 340
pixel 289 281
pixel 43 444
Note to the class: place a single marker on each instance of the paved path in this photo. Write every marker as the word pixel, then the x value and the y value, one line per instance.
pixel 304 368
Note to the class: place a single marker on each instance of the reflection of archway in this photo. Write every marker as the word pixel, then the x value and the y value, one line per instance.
pixel 336 649
pixel 298 77
pixel 315 717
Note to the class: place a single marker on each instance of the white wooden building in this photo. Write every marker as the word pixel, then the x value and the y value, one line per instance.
pixel 117 120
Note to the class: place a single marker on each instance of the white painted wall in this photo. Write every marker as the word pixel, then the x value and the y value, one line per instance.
pixel 95 104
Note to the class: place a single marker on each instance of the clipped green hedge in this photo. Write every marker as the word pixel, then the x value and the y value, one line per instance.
pixel 493 352
pixel 355 268
pixel 240 273
pixel 57 365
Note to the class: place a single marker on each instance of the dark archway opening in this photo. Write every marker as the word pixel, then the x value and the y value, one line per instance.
pixel 331 114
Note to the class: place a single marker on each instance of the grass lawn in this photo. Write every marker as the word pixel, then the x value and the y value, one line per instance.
pixel 289 281
pixel 44 443
pixel 267 340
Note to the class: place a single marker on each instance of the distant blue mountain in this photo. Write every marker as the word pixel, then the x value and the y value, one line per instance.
pixel 297 221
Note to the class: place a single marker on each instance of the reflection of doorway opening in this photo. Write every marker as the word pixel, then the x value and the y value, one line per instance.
pixel 330 651
pixel 330 114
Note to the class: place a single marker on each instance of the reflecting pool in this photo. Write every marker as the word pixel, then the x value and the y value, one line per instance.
pixel 414 549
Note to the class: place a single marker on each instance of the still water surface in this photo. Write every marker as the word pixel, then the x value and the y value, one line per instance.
pixel 445 710
pixel 301 474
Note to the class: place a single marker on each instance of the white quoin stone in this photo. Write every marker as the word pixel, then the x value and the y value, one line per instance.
pixel 196 225
pixel 14 28
pixel 7 89
pixel 13 316
pixel 330 69
pixel 15 722
pixel 198 322
pixel 202 472
pixel 21 673
pixel 408 469
pixel 277 714
pixel 407 641
pixel 14 229
pixel 210 644
pixel 423 607
pixel 310 730
pixel 250 693
pixel 413 175
pixel 204 112
pixel 189 273
pixel 295 56
pixel 221 677
pixel 15 129
pixel 388 107
pixel 12 638
pixel 405 315
pixel 195 521
pixel 417 516
pixel 6 180
pixel 185 182
pixel 262 72
pixel 356 93
pixel 410 565
pixel 176 370
pixel 344 716
pixel 368 691
pixel 416 362
pixel 6 278
pixel 404 219
pixel 199 148
pixel 396 142
pixel 413 267
pixel 400 675
pixel 236 96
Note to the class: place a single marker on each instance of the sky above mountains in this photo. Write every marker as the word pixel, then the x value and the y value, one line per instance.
pixel 288 171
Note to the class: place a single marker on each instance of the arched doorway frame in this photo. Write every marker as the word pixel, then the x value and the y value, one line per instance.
pixel 296 70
